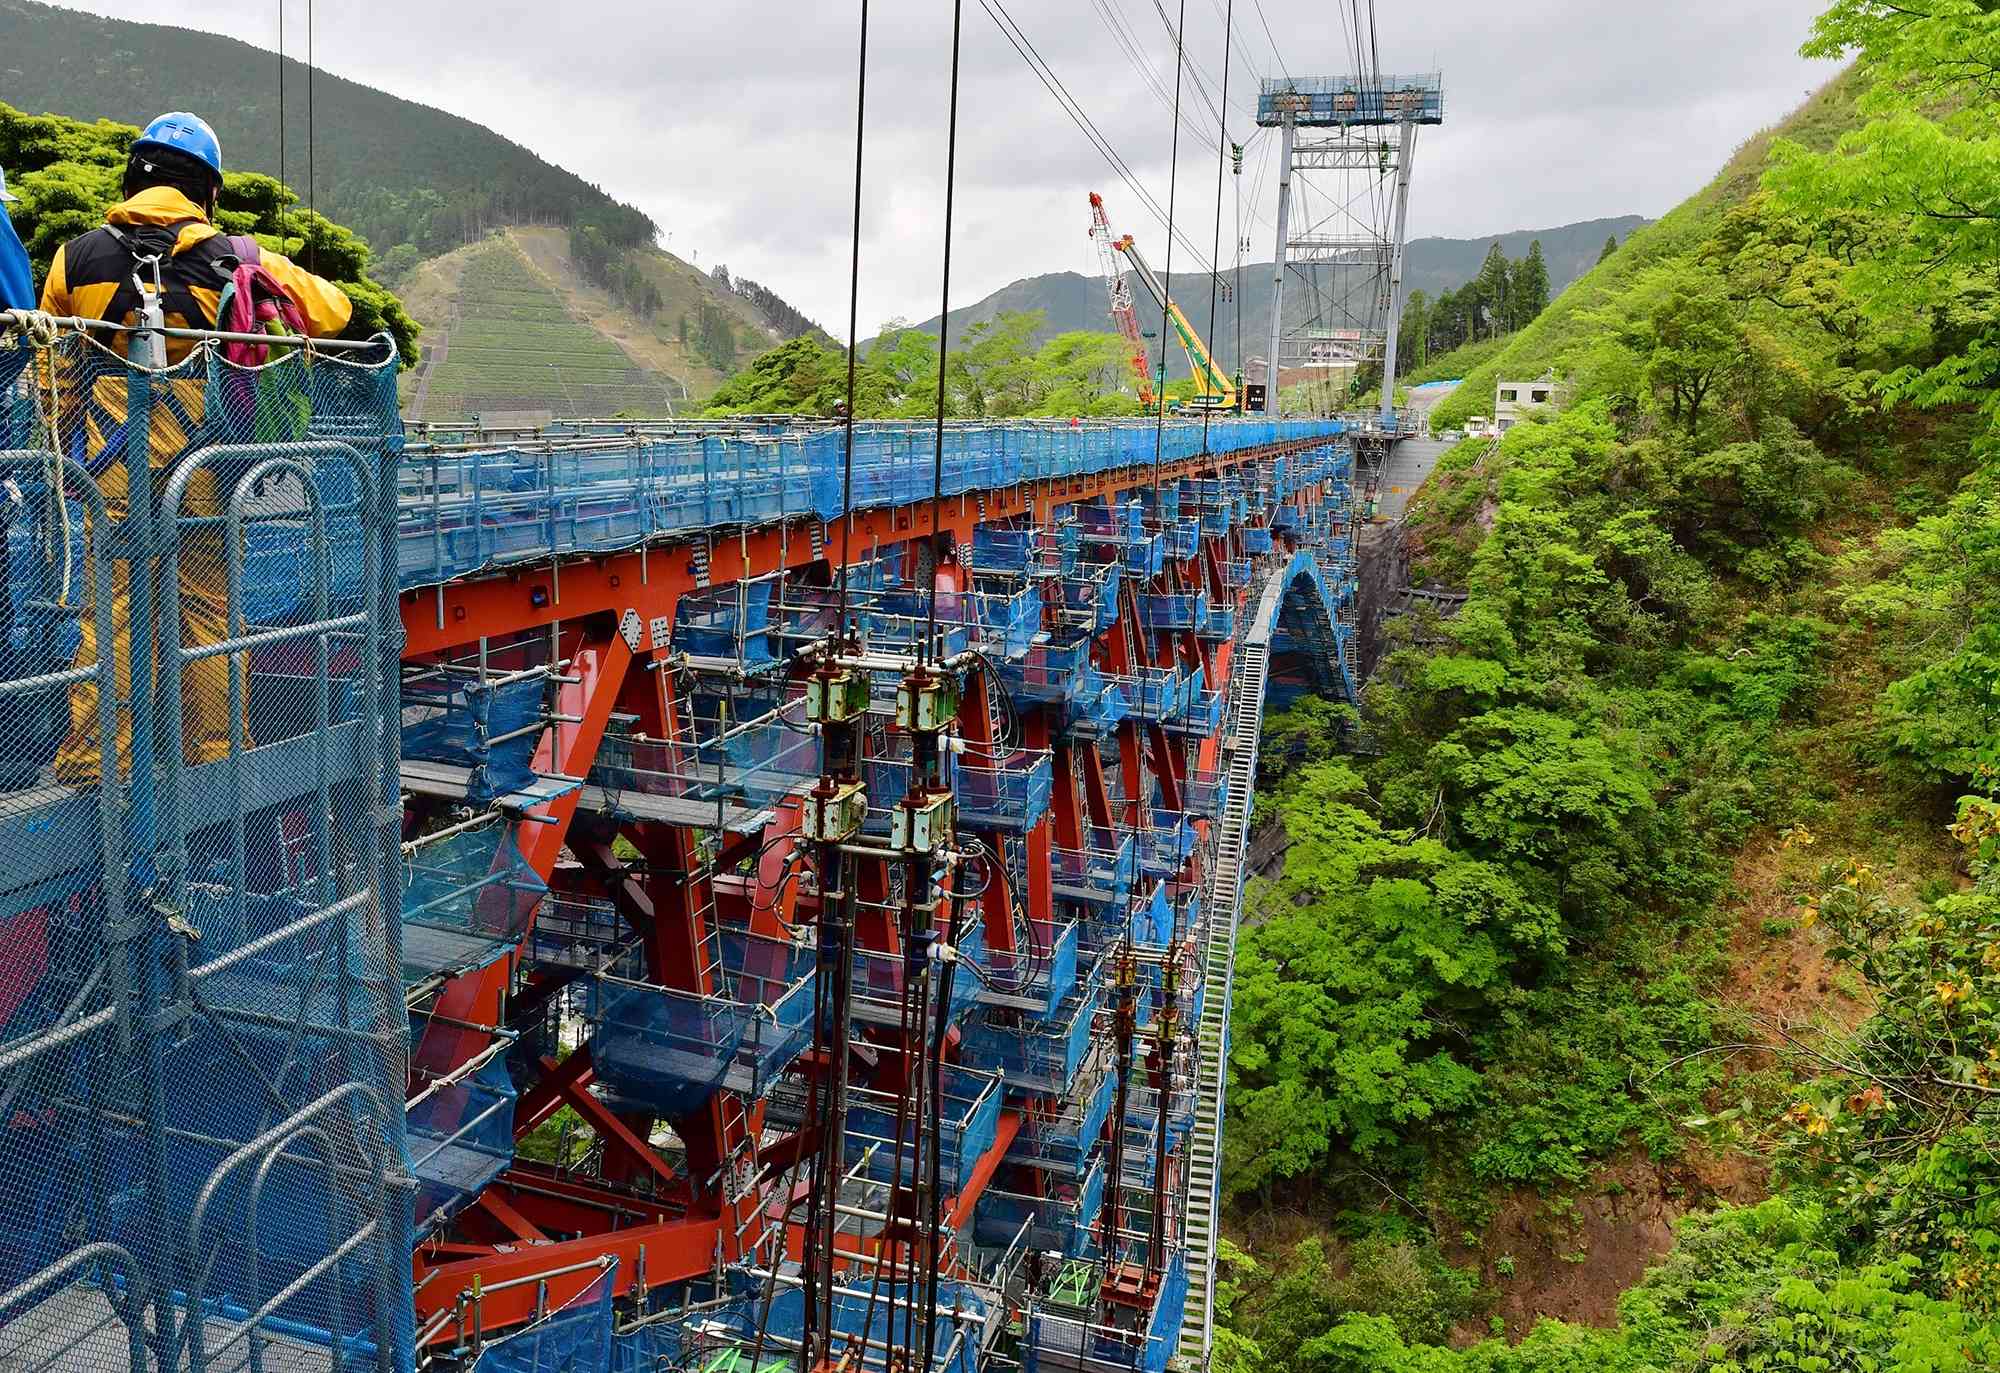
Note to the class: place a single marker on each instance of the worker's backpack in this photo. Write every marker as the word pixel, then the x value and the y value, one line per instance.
pixel 254 302
pixel 256 402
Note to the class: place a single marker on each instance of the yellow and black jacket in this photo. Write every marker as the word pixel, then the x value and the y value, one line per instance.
pixel 91 275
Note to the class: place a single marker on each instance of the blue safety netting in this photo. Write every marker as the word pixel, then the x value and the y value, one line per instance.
pixel 461 1138
pixel 969 1117
pixel 1157 693
pixel 1202 716
pixel 464 511
pixel 1163 1336
pixel 1182 538
pixel 1010 795
pixel 880 976
pixel 1153 918
pixel 1066 1137
pixel 487 727
pixel 1049 672
pixel 1206 792
pixel 1060 1221
pixel 1060 1335
pixel 753 764
pixel 1008 619
pixel 1036 1055
pixel 574 1338
pixel 203 1046
pixel 1044 550
pixel 1173 610
pixel 467 900
pixel 1093 588
pixel 39 629
pixel 1039 973
pixel 1166 839
pixel 673 1050
pixel 731 621
pixel 1101 872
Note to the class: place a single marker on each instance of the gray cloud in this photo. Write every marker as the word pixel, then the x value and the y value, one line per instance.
pixel 732 123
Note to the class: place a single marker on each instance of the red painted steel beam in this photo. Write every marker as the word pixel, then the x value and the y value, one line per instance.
pixel 675 1251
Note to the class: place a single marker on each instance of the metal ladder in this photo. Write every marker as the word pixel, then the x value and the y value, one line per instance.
pixel 1219 969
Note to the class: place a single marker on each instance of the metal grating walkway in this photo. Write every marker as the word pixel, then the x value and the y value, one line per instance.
pixel 1219 970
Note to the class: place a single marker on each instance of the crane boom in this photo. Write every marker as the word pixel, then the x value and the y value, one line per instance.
pixel 1215 391
pixel 1122 312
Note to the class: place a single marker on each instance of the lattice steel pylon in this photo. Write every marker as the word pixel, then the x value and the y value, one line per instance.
pixel 1352 244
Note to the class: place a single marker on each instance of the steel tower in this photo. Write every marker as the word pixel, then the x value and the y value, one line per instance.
pixel 1352 238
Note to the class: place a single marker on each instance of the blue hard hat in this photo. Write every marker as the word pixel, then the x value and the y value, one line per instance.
pixel 184 133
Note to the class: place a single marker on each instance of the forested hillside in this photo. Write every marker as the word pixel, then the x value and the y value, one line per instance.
pixel 400 174
pixel 996 368
pixel 513 322
pixel 1664 925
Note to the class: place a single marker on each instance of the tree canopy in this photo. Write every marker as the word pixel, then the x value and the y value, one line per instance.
pixel 992 371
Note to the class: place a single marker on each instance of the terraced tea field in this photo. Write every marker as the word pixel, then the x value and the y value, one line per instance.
pixel 511 344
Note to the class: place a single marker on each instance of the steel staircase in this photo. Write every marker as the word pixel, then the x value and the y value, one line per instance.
pixel 1219 967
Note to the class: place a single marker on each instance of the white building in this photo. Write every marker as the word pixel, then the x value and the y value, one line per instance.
pixel 1513 400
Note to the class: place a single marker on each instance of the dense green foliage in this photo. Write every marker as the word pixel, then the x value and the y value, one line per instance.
pixel 994 370
pixel 1455 363
pixel 611 266
pixel 1743 584
pixel 787 318
pixel 398 172
pixel 66 174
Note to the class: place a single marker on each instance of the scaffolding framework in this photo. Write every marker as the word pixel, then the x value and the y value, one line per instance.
pixel 538 909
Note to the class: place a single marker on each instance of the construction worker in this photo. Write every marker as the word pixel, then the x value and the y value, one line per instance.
pixel 159 245
pixel 17 282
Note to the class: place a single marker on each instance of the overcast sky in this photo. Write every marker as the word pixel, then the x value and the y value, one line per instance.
pixel 732 121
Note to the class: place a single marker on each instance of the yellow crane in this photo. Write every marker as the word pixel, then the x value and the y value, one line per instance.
pixel 1214 390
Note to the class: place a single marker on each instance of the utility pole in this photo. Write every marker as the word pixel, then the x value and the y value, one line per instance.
pixel 1273 405
pixel 1408 150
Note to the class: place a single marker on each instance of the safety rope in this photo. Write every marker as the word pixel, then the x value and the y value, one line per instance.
pixel 40 331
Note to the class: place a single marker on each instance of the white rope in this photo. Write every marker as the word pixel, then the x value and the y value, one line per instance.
pixel 39 329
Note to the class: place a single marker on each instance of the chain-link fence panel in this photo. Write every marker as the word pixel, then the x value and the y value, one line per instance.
pixel 203 1047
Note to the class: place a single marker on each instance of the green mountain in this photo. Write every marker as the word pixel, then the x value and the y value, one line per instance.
pixel 1573 315
pixel 395 171
pixel 1072 300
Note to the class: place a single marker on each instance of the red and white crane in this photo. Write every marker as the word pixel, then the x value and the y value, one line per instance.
pixel 1122 312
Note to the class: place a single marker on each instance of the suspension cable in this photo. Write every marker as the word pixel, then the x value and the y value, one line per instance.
pixel 1167 281
pixel 312 143
pixel 1215 251
pixel 944 334
pixel 853 323
pixel 282 189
